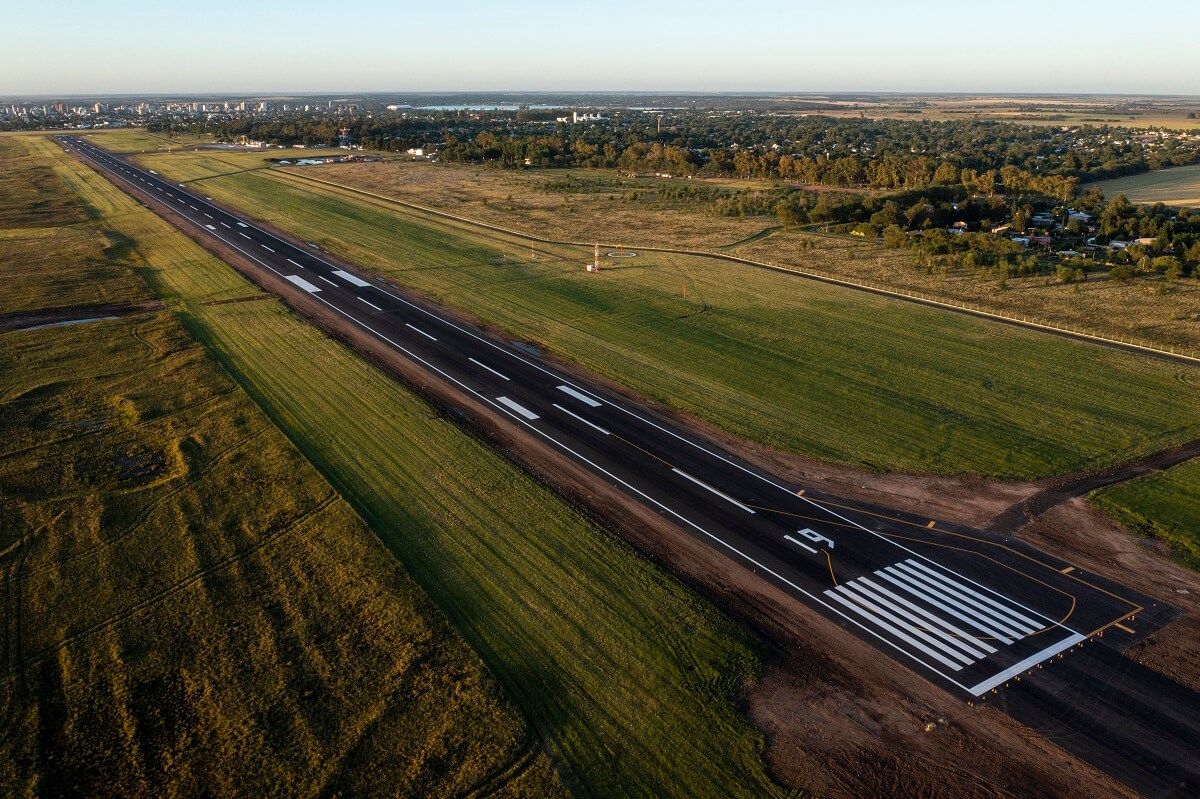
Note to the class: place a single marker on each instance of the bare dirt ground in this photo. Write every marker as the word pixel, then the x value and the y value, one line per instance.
pixel 840 720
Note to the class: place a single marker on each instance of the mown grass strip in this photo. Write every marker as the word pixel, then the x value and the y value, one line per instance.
pixel 1165 506
pixel 798 366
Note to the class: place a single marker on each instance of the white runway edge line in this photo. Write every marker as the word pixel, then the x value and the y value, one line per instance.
pixel 749 559
pixel 1028 663
pixel 586 400
pixel 351 279
pixel 419 330
pixel 799 543
pixel 521 409
pixel 304 284
pixel 580 418
pixel 720 494
pixel 483 365
pixel 367 302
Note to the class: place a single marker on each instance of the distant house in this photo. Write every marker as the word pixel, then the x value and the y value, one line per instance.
pixel 1043 241
pixel 1079 216
pixel 1001 229
pixel 1118 245
pixel 1022 240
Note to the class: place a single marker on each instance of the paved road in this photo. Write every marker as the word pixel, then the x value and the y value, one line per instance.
pixel 984 617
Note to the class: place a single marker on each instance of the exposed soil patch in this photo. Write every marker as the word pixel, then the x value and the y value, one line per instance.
pixel 51 316
pixel 1064 487
pixel 234 300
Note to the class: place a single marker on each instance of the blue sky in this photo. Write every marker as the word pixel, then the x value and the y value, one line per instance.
pixel 126 46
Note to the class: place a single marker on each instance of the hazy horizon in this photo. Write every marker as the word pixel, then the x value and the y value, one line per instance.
pixel 926 47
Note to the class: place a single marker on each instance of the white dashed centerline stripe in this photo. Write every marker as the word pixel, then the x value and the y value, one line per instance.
pixel 521 409
pixel 265 247
pixel 584 398
pixel 368 302
pixel 423 333
pixel 224 225
pixel 293 263
pixel 327 280
pixel 580 418
pixel 243 235
pixel 723 496
pixel 490 369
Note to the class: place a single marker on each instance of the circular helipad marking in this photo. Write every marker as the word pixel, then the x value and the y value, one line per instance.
pixel 622 254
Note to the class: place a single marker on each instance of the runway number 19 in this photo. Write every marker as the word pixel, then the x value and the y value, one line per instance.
pixel 814 536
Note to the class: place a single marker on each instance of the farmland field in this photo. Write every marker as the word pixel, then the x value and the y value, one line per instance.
pixel 1179 186
pixel 187 606
pixel 802 367
pixel 1165 506
pixel 614 664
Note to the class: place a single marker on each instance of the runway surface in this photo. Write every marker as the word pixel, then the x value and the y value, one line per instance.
pixel 987 618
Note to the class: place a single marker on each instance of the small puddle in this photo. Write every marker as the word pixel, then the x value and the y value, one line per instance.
pixel 67 322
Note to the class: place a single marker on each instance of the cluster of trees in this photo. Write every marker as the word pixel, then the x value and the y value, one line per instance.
pixel 987 157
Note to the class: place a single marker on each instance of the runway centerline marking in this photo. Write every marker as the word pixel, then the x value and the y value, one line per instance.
pixel 720 494
pixel 580 418
pixel 293 263
pixel 265 247
pixel 419 330
pixel 327 280
pixel 483 365
pixel 367 302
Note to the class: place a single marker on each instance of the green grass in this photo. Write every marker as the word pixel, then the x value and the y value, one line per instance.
pixel 188 608
pixel 1165 506
pixel 1178 186
pixel 50 256
pixel 802 367
pixel 616 665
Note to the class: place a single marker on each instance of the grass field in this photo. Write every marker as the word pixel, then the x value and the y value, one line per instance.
pixel 51 256
pixel 803 367
pixel 1165 506
pixel 1178 186
pixel 188 608
pixel 616 665
pixel 597 205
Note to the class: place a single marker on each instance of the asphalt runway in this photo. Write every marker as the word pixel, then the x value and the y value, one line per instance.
pixel 987 618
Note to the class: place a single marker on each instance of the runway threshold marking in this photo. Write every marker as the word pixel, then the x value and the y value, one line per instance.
pixel 580 418
pixel 483 365
pixel 720 494
pixel 999 679
pixel 518 408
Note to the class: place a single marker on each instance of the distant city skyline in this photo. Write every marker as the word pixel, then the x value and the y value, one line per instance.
pixel 224 47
